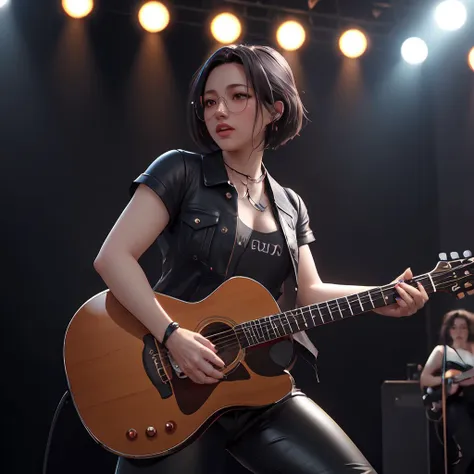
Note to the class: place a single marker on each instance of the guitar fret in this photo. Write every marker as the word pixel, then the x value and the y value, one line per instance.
pixel 339 308
pixel 360 302
pixel 244 332
pixel 383 296
pixel 432 282
pixel 283 325
pixel 370 298
pixel 330 314
pixel 250 332
pixel 305 321
pixel 311 315
pixel 350 307
pixel 287 320
pixel 296 322
pixel 269 327
pixel 320 314
pixel 293 319
pixel 265 325
pixel 258 327
pixel 273 326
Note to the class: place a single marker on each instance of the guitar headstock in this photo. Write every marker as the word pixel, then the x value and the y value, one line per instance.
pixel 454 275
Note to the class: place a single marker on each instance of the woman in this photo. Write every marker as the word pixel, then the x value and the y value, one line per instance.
pixel 457 332
pixel 218 215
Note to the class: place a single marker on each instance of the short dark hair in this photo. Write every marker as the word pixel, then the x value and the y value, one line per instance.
pixel 271 77
pixel 448 321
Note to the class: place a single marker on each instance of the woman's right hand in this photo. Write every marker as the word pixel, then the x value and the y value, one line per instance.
pixel 195 356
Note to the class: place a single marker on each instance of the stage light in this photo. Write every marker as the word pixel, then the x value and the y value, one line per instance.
pixel 226 28
pixel 291 35
pixel 470 59
pixel 450 15
pixel 353 43
pixel 154 17
pixel 3 3
pixel 414 50
pixel 78 8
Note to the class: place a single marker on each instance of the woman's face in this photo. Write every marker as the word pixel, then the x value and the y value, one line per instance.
pixel 230 109
pixel 459 331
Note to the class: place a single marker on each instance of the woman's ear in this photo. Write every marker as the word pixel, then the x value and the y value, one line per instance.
pixel 279 108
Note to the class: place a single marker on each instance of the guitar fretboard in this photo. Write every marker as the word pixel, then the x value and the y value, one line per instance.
pixel 269 328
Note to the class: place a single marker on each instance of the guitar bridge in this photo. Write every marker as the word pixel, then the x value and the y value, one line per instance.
pixel 177 369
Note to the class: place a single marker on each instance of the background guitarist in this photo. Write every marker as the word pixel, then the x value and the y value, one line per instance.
pixel 218 215
pixel 457 331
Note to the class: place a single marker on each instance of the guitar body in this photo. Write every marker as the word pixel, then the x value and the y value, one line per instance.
pixel 433 395
pixel 129 397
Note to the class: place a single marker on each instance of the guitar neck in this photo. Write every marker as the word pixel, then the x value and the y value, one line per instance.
pixel 269 328
pixel 464 376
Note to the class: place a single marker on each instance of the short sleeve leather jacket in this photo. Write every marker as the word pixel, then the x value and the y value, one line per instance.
pixel 198 243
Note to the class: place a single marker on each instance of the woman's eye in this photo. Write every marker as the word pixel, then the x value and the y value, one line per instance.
pixel 240 96
pixel 209 103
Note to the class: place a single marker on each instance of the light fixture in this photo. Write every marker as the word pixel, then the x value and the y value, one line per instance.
pixel 470 59
pixel 154 17
pixel 450 15
pixel 77 8
pixel 226 28
pixel 414 50
pixel 291 35
pixel 353 43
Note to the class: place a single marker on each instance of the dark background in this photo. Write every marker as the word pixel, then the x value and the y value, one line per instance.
pixel 385 165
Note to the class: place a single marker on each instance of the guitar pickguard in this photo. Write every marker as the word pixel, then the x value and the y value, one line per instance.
pixel 271 359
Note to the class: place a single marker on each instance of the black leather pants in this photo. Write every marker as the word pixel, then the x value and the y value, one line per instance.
pixel 294 436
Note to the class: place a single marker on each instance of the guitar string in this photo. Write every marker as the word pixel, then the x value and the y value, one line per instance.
pixel 332 306
pixel 236 342
pixel 298 318
pixel 302 313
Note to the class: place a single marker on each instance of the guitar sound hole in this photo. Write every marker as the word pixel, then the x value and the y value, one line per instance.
pixel 224 338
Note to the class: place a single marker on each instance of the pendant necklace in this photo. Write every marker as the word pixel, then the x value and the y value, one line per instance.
pixel 257 205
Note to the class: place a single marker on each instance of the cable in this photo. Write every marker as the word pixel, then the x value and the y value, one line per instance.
pixel 64 399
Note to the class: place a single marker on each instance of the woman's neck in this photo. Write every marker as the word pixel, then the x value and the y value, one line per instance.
pixel 245 162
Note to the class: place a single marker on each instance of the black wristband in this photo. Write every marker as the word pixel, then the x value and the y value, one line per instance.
pixel 169 330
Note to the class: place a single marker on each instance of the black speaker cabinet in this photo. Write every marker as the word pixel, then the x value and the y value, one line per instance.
pixel 410 441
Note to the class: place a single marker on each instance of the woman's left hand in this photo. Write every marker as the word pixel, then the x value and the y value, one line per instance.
pixel 410 301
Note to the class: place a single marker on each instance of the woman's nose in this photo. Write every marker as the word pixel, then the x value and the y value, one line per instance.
pixel 221 107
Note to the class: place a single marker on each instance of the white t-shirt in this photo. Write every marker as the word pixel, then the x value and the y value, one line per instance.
pixel 461 357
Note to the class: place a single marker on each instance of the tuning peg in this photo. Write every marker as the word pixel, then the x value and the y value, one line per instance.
pixel 443 256
pixel 454 255
pixel 467 254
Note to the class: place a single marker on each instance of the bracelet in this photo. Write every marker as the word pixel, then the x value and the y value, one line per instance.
pixel 169 330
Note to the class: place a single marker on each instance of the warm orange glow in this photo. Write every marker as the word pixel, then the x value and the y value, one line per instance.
pixel 226 28
pixel 353 43
pixel 78 8
pixel 154 17
pixel 471 59
pixel 291 35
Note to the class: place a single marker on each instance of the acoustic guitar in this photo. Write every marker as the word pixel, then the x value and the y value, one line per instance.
pixel 135 402
pixel 433 395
